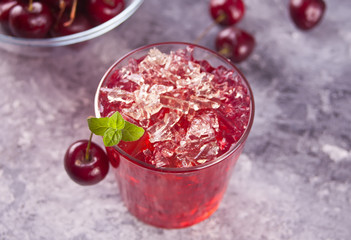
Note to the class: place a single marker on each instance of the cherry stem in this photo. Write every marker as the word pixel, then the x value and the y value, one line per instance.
pixel 30 6
pixel 224 51
pixel 62 10
pixel 220 18
pixel 72 14
pixel 87 151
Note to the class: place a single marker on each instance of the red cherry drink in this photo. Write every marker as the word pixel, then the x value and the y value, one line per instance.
pixel 197 110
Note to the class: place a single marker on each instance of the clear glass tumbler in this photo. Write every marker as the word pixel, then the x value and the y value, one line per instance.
pixel 174 197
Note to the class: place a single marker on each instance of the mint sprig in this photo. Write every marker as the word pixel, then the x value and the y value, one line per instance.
pixel 114 129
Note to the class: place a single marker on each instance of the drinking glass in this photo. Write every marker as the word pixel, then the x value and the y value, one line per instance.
pixel 174 197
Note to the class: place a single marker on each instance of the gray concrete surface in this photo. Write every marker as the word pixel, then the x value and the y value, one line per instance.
pixel 293 180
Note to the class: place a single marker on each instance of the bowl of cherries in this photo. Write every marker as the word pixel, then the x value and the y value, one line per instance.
pixel 53 23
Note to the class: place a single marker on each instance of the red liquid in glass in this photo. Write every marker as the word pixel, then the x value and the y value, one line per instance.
pixel 171 189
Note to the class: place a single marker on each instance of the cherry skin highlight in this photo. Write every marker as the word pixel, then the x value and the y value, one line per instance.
pixel 306 14
pixel 227 12
pixel 235 44
pixel 34 22
pixel 86 171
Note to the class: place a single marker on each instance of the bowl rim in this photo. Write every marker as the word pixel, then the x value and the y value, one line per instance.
pixel 77 37
pixel 231 151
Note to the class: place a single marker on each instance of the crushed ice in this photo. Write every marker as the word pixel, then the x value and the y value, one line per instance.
pixel 175 82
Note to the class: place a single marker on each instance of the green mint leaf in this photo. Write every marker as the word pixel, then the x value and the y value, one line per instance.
pixel 98 125
pixel 131 132
pixel 116 121
pixel 114 129
pixel 112 137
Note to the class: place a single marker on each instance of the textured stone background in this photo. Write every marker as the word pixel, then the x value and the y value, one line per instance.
pixel 293 180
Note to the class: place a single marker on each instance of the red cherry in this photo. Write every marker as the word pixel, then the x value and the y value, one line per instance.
pixel 86 171
pixel 5 7
pixel 227 12
pixel 103 10
pixel 306 14
pixel 235 44
pixel 79 24
pixel 30 21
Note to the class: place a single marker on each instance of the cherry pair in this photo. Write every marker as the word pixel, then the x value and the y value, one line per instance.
pixel 232 42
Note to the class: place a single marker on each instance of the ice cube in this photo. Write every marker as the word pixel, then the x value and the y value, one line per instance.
pixel 207 152
pixel 137 78
pixel 164 153
pixel 203 127
pixel 198 103
pixel 199 144
pixel 175 103
pixel 148 101
pixel 134 112
pixel 191 153
pixel 161 130
pixel 119 95
pixel 160 89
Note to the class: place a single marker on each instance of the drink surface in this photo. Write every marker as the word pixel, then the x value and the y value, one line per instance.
pixel 191 111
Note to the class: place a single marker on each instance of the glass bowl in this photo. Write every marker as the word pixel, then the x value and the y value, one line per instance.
pixel 26 45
